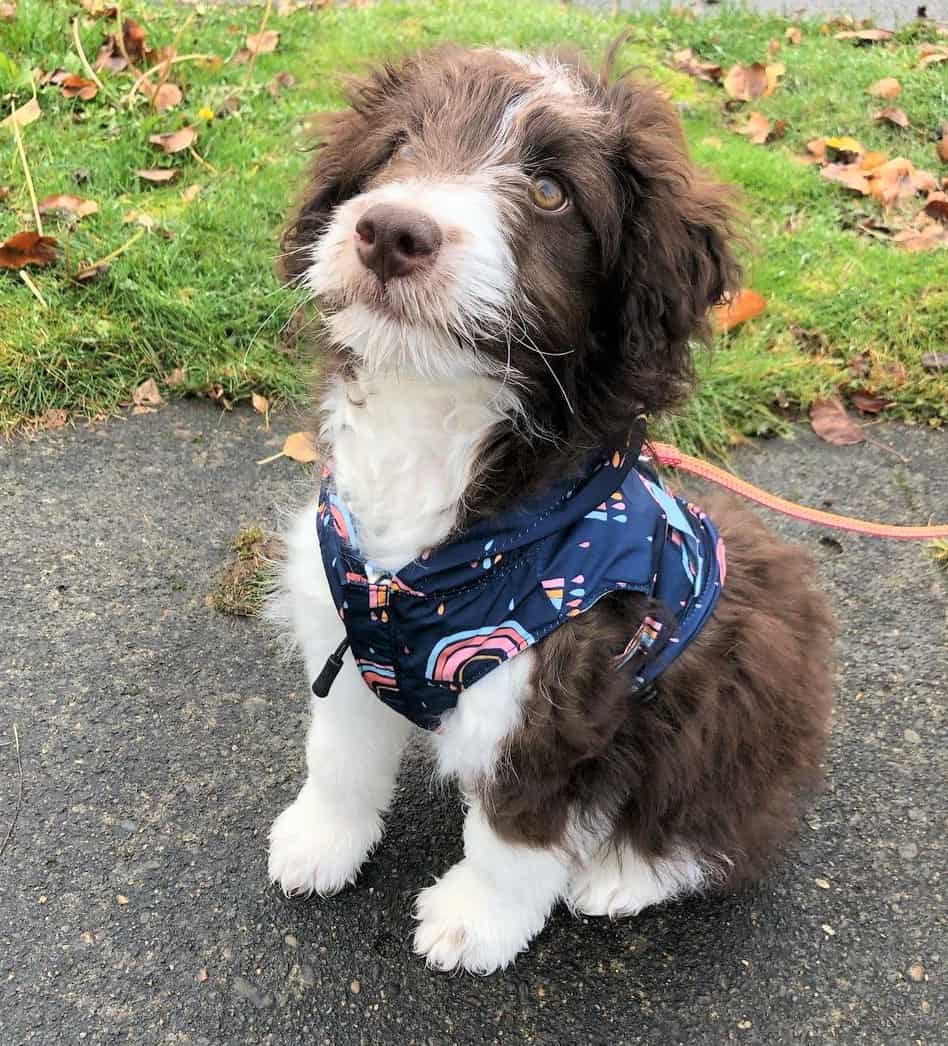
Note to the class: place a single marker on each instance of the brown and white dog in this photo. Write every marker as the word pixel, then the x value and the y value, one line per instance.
pixel 509 252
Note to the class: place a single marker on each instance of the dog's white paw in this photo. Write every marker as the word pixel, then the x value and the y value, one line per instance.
pixel 618 884
pixel 464 921
pixel 315 848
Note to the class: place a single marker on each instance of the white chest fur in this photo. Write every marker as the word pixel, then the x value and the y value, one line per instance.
pixel 404 450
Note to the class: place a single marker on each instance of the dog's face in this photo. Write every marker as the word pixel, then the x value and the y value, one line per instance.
pixel 486 212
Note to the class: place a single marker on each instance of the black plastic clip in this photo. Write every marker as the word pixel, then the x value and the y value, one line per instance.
pixel 330 670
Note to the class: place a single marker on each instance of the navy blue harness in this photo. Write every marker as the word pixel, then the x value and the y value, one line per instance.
pixel 422 635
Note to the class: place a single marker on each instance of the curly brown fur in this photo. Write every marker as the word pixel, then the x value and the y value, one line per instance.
pixel 721 758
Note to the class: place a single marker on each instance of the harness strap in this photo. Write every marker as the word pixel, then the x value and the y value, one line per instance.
pixel 666 454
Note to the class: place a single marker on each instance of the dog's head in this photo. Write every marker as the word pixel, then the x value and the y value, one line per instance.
pixel 483 211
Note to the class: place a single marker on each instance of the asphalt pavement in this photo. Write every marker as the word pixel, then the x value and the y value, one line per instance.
pixel 158 739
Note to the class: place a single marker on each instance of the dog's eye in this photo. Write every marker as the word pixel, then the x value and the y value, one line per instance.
pixel 548 194
pixel 405 151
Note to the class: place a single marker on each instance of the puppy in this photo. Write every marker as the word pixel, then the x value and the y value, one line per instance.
pixel 513 257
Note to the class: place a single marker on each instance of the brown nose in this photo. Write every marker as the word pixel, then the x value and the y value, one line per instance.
pixel 392 240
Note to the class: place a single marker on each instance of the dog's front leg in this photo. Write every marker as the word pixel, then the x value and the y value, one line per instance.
pixel 353 747
pixel 491 904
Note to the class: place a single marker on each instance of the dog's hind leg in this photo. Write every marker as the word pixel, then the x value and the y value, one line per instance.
pixel 353 747
pixel 618 881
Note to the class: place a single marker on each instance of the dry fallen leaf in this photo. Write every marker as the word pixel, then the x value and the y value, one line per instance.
pixel 686 61
pixel 941 146
pixel 22 117
pixel 829 420
pixel 191 193
pixel 747 82
pixel 888 88
pixel 745 305
pixel 935 361
pixel 52 418
pixel 929 238
pixel 91 272
pixel 163 97
pixel 147 394
pixel 817 148
pixel 158 174
pixel 174 141
pixel 843 149
pixel 897 117
pixel 773 48
pixel 99 10
pixel 866 36
pixel 260 403
pixel 871 160
pixel 66 203
pixel 899 180
pixel 174 378
pixel 793 35
pixel 300 446
pixel 28 248
pixel 4 192
pixel 73 86
pixel 929 54
pixel 7 12
pixel 847 175
pixel 867 403
pixel 760 130
pixel 263 43
pixel 282 81
pixel 936 206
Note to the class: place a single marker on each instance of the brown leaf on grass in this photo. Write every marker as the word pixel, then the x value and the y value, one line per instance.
pixel 24 116
pixel 760 130
pixel 260 403
pixel 846 175
pixel 4 192
pixel 91 273
pixel 115 56
pixel 860 365
pixel 174 141
pixel 843 149
pixel 110 57
pixel 163 97
pixel 7 12
pixel 73 86
pixel 686 61
pixel 745 305
pixel 935 361
pixel 191 193
pixel 263 43
pixel 773 48
pixel 52 418
pixel 793 35
pixel 930 54
pixel 747 82
pixel 158 174
pixel 866 36
pixel 147 394
pixel 929 238
pixel 829 420
pixel 28 248
pixel 215 392
pixel 871 160
pixel 868 403
pixel 898 180
pixel 817 149
pixel 282 81
pixel 301 447
pixel 936 206
pixel 66 203
pixel 888 88
pixel 174 378
pixel 896 117
pixel 941 146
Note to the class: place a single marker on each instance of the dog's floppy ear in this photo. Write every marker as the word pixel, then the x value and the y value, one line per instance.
pixel 673 260
pixel 352 145
pixel 335 176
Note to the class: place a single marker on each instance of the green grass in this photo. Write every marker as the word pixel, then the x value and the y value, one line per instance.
pixel 198 292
